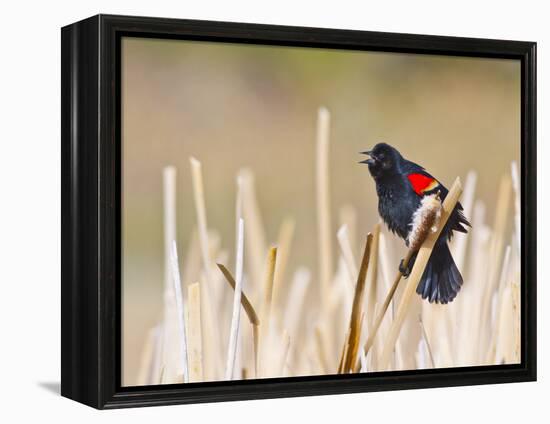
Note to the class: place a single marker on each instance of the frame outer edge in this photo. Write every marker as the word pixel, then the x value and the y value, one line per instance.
pixel 80 339
pixel 89 210
pixel 530 203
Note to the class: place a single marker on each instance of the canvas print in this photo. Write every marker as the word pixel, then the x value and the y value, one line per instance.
pixel 292 211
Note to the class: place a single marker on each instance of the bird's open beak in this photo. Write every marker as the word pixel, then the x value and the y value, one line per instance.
pixel 370 160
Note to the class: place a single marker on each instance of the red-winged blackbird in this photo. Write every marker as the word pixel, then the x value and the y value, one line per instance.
pixel 400 185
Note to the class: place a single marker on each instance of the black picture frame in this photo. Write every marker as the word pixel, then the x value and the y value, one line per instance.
pixel 91 211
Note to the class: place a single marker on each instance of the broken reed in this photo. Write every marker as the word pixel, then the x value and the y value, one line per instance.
pixel 305 322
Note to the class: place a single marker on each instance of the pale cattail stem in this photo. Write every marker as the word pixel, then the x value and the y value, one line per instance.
pixel 204 243
pixel 356 311
pixel 347 253
pixel 169 209
pixel 156 364
pixel 255 234
pixel 363 361
pixel 147 358
pixel 295 301
pixel 421 261
pixel 170 357
pixel 497 242
pixel 200 207
pixel 284 242
pixel 195 333
pixel 265 319
pixel 372 278
pixel 348 217
pixel 235 320
pixel 319 346
pixel 250 312
pixel 286 347
pixel 245 301
pixel 491 353
pixel 343 354
pixel 180 311
pixel 427 341
pixel 256 347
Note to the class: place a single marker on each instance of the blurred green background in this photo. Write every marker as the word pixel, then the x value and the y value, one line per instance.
pixel 234 106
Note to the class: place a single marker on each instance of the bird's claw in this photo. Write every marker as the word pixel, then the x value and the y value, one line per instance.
pixel 406 271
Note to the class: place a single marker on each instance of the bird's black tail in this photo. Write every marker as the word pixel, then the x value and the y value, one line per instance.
pixel 441 280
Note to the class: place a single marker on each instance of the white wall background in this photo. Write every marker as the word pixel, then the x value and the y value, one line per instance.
pixel 30 211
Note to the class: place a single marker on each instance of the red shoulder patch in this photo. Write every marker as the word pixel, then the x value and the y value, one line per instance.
pixel 422 183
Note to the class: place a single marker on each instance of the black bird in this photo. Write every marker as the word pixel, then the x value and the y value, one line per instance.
pixel 401 185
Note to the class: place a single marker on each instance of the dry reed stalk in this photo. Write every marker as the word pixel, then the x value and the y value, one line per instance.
pixel 156 364
pixel 294 306
pixel 348 217
pixel 340 301
pixel 398 359
pixel 204 239
pixel 215 251
pixel 320 350
pixel 427 341
pixel 169 210
pixel 343 354
pixel 504 345
pixel 200 207
pixel 496 248
pixel 516 312
pixel 223 302
pixel 496 328
pixel 255 234
pixel 214 351
pixel 195 333
pixel 147 355
pixel 235 320
pixel 347 254
pixel 356 311
pixel 171 357
pixel 504 274
pixel 265 314
pixel 250 312
pixel 180 312
pixel 386 269
pixel 283 358
pixel 245 301
pixel 337 309
pixel 372 277
pixel 420 263
pixel 447 318
pixel 323 201
pixel 192 261
pixel 363 360
pixel 471 294
pixel 214 244
pixel 284 242
pixel 207 283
